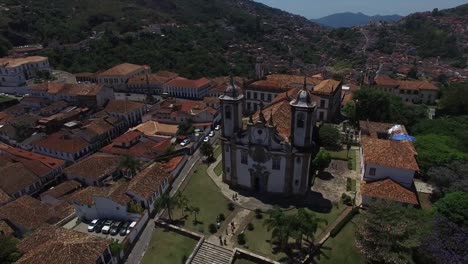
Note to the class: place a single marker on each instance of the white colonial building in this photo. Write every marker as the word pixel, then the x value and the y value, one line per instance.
pixel 271 155
pixel 16 71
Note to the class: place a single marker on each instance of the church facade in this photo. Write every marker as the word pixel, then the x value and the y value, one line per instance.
pixel 273 151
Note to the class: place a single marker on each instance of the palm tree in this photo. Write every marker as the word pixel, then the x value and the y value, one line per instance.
pixel 277 222
pixel 170 203
pixel 308 223
pixel 129 163
pixel 195 211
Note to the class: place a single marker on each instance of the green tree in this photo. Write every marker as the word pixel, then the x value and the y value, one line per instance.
pixel 130 163
pixel 454 100
pixel 454 206
pixel 390 233
pixel 9 254
pixel 185 128
pixel 321 161
pixel 206 150
pixel 277 223
pixel 349 110
pixel 413 73
pixel 115 247
pixel 170 203
pixel 304 223
pixel 330 137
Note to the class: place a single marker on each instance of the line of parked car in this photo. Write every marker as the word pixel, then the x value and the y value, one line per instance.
pixel 111 227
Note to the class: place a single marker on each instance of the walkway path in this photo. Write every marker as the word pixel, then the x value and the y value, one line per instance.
pixel 249 203
pixel 326 233
pixel 142 243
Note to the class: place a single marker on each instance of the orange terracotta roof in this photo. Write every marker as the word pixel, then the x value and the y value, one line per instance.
pixel 373 129
pixel 148 181
pixel 389 190
pixel 128 137
pixel 5 117
pixel 390 153
pixel 152 128
pixel 280 110
pixel 123 69
pixel 152 79
pixel 172 164
pixel 63 142
pixel 186 83
pixel 14 62
pixel 86 195
pixel 50 162
pixel 4 197
pixel 211 100
pixel 167 74
pixel 123 106
pixel 417 85
pixel 15 176
pixel 326 87
pixel 29 213
pixel 145 150
pixel 57 245
pixel 62 189
pixel 95 167
pixel 383 80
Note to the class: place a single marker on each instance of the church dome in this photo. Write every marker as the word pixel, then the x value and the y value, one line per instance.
pixel 303 97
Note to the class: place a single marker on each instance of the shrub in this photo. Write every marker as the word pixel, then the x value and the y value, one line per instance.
pixel 231 206
pixel 241 239
pixel 258 214
pixel 346 199
pixel 212 228
pixel 221 217
pixel 250 226
pixel 350 164
pixel 330 137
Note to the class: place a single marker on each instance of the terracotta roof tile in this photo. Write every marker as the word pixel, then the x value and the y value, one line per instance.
pixel 128 137
pixel 6 229
pixel 95 167
pixel 62 189
pixel 152 79
pixel 15 177
pixel 383 80
pixel 14 62
pixel 148 181
pixel 152 128
pixel 389 190
pixel 172 164
pixel 390 153
pixel 29 213
pixel 57 245
pixel 373 129
pixel 143 150
pixel 326 87
pixel 123 69
pixel 63 142
pixel 123 106
pixel 186 83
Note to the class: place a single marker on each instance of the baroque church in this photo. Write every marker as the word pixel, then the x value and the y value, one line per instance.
pixel 272 152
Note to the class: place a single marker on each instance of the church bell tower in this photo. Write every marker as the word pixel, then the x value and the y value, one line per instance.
pixel 231 109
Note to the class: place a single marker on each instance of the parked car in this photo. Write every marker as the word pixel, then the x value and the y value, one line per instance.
pixel 132 225
pixel 115 228
pixel 92 225
pixel 211 134
pixel 185 142
pixel 98 227
pixel 218 127
pixel 206 139
pixel 123 229
pixel 106 227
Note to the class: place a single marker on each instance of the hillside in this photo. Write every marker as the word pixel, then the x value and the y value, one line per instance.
pixel 349 19
pixel 195 38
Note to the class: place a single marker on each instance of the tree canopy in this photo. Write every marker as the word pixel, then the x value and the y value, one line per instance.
pixel 390 233
pixel 454 100
pixel 454 206
pixel 330 137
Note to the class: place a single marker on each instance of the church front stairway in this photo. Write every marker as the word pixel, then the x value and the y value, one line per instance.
pixel 209 253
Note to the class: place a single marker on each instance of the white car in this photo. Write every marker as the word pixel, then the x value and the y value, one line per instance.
pixel 218 127
pixel 132 225
pixel 106 227
pixel 185 142
pixel 92 225
pixel 211 134
pixel 206 139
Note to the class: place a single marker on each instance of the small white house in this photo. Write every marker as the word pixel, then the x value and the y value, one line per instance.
pixel 381 159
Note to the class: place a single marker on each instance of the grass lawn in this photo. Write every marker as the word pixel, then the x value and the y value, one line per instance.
pixel 168 247
pixel 350 185
pixel 217 150
pixel 203 193
pixel 341 155
pixel 342 247
pixel 258 240
pixel 243 261
pixel 6 99
pixel 219 169
pixel 425 201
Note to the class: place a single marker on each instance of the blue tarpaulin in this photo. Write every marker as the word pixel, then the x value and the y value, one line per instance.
pixel 401 137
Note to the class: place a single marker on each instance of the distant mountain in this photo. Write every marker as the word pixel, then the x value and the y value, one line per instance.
pixel 349 19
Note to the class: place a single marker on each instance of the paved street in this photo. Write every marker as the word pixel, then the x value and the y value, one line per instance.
pixel 142 243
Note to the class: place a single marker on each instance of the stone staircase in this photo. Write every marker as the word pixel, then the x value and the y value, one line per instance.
pixel 209 253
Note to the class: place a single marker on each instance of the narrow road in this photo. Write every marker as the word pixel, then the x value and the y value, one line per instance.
pixel 142 243
pixel 364 33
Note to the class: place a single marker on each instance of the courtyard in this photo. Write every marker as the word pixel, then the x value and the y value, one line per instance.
pixel 168 247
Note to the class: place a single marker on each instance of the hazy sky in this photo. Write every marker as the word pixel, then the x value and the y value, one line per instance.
pixel 320 8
